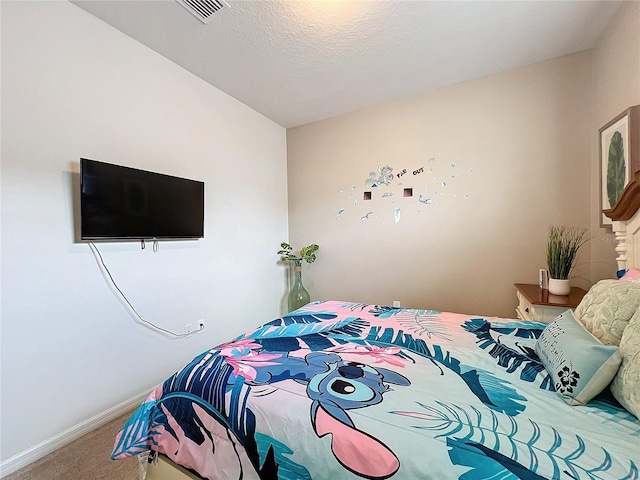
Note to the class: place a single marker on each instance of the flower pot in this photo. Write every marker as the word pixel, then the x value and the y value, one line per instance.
pixel 559 287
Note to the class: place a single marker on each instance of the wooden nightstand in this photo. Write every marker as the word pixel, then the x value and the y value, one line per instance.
pixel 535 303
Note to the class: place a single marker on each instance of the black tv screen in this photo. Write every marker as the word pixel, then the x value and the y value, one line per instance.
pixel 119 202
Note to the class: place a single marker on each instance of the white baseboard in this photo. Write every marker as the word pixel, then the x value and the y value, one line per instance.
pixel 50 445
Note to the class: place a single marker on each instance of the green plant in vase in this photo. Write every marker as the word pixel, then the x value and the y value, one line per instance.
pixel 298 296
pixel 562 248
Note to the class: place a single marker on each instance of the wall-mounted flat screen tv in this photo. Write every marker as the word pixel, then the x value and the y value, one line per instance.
pixel 118 202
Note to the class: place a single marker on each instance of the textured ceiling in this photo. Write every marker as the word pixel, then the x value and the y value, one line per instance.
pixel 301 61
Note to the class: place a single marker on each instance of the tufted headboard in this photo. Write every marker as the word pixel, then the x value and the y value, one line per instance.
pixel 626 225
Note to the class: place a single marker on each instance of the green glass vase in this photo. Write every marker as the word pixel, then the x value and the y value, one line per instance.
pixel 298 296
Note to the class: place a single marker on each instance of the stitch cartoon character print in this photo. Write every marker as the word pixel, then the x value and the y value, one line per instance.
pixel 346 390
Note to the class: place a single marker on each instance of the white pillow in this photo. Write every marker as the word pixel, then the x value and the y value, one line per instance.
pixel 626 384
pixel 580 366
pixel 607 308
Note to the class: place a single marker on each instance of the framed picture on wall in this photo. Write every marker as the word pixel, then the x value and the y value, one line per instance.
pixel 619 158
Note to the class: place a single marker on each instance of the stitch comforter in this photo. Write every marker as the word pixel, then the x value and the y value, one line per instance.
pixel 339 390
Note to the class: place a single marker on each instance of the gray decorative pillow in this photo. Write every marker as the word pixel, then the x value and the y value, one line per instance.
pixel 626 384
pixel 580 366
pixel 607 308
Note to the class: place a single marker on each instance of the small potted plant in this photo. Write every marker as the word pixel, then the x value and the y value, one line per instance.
pixel 298 297
pixel 562 247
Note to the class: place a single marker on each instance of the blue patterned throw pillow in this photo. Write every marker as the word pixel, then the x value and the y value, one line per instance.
pixel 580 366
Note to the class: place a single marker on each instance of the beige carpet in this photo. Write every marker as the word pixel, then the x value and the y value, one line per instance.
pixel 84 459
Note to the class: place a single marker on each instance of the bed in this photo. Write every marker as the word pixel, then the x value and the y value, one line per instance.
pixel 342 390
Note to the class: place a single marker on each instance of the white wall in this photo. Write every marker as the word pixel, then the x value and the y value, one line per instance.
pixel 520 142
pixel 74 87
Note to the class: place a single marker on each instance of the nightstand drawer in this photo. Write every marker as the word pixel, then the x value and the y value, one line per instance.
pixel 524 310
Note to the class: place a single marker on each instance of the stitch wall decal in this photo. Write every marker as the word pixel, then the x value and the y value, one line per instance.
pixel 423 173
pixel 383 177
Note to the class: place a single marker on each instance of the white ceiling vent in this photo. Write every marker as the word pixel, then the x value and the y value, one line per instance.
pixel 204 10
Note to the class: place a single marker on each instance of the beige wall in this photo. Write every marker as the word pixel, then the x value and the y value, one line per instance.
pixel 616 86
pixel 521 145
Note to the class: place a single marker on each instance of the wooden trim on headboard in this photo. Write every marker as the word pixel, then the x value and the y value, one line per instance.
pixel 628 203
pixel 626 225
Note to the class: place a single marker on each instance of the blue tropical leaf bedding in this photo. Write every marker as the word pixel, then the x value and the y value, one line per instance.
pixel 344 390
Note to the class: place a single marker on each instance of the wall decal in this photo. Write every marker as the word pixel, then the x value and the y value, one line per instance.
pixel 440 177
pixel 384 176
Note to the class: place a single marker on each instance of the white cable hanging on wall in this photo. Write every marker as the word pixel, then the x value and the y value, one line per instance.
pixel 139 319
